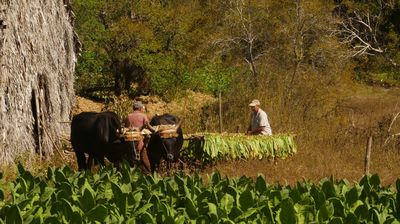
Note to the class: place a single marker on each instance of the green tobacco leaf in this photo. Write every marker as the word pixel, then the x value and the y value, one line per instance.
pixel 50 173
pixel 325 212
pixel 180 181
pixel 213 212
pixel 62 195
pixel 13 215
pixel 318 195
pixel 352 196
pixel 226 221
pixel 285 193
pixel 338 207
pixel 329 189
pixel 375 181
pixel 21 169
pixel 126 188
pixel 131 220
pixel 137 197
pixel 144 208
pixel 179 220
pixel 66 208
pixel 364 180
pixel 267 212
pixel 87 200
pixel 204 196
pixel 190 208
pixel 169 220
pixel 246 200
pixel 146 217
pixel 351 218
pixel 227 203
pixel 215 178
pixel 247 214
pixel 98 213
pixel 305 213
pixel 295 195
pixel 398 184
pixel 261 185
pixel 172 190
pixel 66 187
pixel 235 212
pixel 60 176
pixel 21 187
pixel 234 193
pixel 392 220
pixel 47 193
pixel 120 198
pixel 76 217
pixel 52 219
pixel 202 219
pixel 362 212
pixel 336 220
pixel 287 214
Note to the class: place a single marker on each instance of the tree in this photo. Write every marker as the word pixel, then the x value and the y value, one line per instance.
pixel 161 46
pixel 244 32
pixel 371 30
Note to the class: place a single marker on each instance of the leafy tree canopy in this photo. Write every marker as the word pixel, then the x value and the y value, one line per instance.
pixel 162 47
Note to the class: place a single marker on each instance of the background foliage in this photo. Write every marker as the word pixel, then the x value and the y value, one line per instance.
pixel 301 59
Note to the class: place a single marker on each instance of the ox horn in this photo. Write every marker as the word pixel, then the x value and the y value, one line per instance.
pixel 178 124
pixel 151 128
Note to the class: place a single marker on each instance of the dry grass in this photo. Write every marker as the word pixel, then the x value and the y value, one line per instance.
pixel 37 166
pixel 313 164
pixel 85 105
pixel 328 149
pixel 336 146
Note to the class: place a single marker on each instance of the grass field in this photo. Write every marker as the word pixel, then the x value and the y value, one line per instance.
pixel 322 151
pixel 339 150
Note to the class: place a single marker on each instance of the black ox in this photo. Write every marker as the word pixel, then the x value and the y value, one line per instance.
pixel 164 148
pixel 96 134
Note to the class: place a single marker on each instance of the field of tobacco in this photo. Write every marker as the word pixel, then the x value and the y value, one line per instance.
pixel 128 196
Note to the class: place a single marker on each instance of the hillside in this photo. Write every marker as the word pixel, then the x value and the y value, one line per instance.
pixel 340 153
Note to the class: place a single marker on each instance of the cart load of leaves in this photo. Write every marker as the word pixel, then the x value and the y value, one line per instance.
pixel 210 147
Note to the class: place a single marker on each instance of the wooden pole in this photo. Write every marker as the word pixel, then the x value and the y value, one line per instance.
pixel 220 112
pixel 37 122
pixel 367 156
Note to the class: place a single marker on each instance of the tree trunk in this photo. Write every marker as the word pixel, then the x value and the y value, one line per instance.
pixel 37 62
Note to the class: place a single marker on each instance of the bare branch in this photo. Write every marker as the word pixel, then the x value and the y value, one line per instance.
pixel 360 32
pixel 244 37
pixel 391 136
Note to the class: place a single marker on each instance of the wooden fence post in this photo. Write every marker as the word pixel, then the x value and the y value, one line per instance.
pixel 220 112
pixel 367 156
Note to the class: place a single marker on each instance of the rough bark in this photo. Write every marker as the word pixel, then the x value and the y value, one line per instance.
pixel 37 61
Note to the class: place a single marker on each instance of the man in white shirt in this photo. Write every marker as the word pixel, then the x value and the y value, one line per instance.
pixel 259 124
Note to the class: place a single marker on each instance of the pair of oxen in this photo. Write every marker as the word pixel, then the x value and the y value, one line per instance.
pixel 97 134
